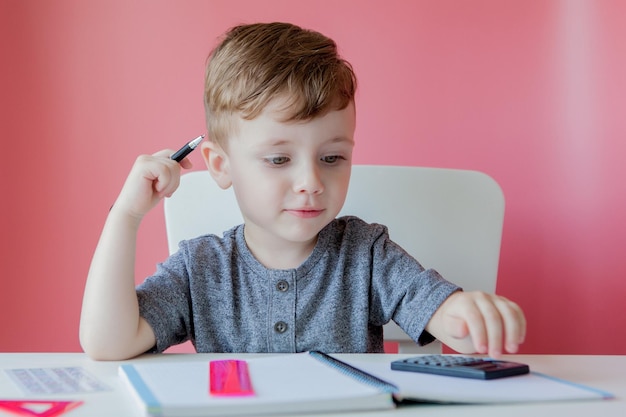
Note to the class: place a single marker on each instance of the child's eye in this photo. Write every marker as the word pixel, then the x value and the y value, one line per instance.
pixel 277 160
pixel 331 159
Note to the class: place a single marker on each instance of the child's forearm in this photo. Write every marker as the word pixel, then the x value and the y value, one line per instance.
pixel 110 326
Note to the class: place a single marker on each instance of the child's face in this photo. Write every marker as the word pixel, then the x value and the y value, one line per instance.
pixel 290 179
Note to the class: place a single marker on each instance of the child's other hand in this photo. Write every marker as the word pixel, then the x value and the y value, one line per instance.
pixel 476 322
pixel 151 178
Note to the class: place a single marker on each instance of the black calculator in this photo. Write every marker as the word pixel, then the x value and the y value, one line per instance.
pixel 461 366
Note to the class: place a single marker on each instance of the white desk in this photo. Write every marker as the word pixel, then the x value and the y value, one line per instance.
pixel 607 373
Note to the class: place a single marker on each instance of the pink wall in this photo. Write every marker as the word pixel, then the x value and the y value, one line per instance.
pixel 530 92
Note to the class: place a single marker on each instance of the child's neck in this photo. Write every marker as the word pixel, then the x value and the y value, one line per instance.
pixel 280 254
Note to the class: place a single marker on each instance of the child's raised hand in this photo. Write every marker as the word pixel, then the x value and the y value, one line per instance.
pixel 151 178
pixel 477 322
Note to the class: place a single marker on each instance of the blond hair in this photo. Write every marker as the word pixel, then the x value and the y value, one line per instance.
pixel 256 63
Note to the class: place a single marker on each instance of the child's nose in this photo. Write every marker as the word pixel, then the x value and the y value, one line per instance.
pixel 309 181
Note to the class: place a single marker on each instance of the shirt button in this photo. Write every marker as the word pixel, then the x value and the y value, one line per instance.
pixel 282 286
pixel 280 327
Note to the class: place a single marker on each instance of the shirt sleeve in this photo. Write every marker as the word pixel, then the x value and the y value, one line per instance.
pixel 402 290
pixel 164 302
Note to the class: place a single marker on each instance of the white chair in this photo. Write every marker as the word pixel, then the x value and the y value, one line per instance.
pixel 449 220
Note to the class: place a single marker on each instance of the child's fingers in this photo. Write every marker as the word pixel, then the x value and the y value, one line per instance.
pixel 493 325
pixel 504 325
pixel 152 177
pixel 167 153
pixel 514 323
pixel 186 163
pixel 168 178
pixel 161 177
pixel 465 307
pixel 484 323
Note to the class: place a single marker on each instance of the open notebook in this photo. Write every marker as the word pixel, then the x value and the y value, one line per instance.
pixel 314 383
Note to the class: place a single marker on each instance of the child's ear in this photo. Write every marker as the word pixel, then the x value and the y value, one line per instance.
pixel 216 161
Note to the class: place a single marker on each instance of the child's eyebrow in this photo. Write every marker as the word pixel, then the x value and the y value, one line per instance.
pixel 340 139
pixel 280 142
pixel 276 142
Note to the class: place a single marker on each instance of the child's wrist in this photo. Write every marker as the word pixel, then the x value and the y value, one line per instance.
pixel 119 213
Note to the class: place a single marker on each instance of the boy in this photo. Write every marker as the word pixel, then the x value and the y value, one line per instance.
pixel 280 113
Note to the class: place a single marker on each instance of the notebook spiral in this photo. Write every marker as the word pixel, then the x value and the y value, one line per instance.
pixel 355 373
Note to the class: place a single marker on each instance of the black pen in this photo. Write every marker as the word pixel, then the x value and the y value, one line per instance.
pixel 180 154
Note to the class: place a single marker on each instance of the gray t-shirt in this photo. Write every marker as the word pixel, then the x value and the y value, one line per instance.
pixel 216 294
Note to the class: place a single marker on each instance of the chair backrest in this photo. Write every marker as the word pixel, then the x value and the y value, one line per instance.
pixel 450 220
